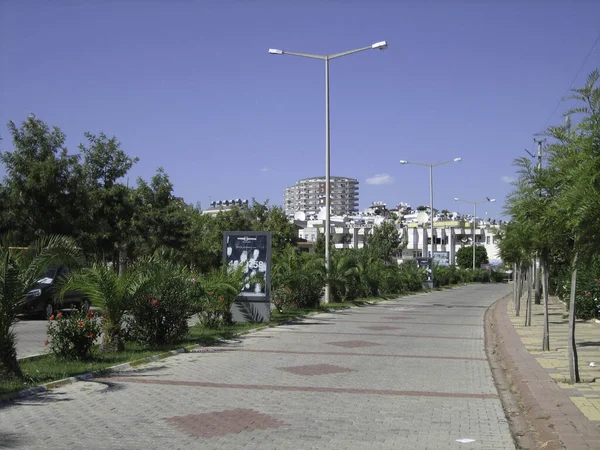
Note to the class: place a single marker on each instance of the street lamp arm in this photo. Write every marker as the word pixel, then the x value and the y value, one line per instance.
pixel 445 162
pixel 349 52
pixel 416 163
pixel 304 55
pixel 402 161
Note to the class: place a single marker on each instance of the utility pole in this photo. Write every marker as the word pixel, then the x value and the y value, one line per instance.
pixel 536 273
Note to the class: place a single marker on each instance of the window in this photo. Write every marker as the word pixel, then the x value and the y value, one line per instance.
pixel 488 240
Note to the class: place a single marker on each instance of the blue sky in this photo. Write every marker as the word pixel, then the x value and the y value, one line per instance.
pixel 190 86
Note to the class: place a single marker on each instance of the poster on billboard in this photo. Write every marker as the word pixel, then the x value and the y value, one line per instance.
pixel 441 258
pixel 252 250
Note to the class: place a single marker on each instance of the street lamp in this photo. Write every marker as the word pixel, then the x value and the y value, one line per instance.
pixel 273 51
pixel 487 200
pixel 431 166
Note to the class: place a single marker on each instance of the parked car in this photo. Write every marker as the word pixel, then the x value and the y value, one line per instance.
pixel 43 298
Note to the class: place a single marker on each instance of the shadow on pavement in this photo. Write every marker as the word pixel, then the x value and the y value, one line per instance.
pixel 10 440
pixel 42 398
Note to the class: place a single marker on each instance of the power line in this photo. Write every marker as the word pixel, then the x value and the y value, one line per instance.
pixel 574 79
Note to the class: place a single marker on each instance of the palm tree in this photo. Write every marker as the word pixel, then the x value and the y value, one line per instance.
pixel 19 271
pixel 113 293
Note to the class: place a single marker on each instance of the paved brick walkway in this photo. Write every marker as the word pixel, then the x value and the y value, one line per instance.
pixel 405 374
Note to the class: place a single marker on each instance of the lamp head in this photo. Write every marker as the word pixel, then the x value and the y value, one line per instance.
pixel 456 199
pixel 274 51
pixel 380 45
pixel 457 159
pixel 403 162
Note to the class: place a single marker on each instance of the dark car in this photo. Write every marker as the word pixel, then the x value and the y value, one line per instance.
pixel 43 298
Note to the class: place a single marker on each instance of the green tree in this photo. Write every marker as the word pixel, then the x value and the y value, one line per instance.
pixel 464 257
pixel 19 271
pixel 385 242
pixel 160 219
pixel 43 189
pixel 283 232
pixel 109 203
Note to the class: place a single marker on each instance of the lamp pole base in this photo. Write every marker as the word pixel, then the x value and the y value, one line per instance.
pixel 428 284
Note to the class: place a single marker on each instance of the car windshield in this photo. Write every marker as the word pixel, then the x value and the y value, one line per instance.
pixel 48 276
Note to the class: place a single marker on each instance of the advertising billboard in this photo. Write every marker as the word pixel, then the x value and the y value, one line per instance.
pixel 441 258
pixel 252 250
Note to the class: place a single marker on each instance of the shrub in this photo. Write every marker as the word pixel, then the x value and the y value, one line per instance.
pixel 301 275
pixel 214 294
pixel 161 315
pixel 72 336
pixel 587 292
pixel 391 281
pixel 412 276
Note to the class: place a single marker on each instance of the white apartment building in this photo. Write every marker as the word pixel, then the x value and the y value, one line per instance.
pixel 448 236
pixel 307 196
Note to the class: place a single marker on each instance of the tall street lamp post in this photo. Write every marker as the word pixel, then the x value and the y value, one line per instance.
pixel 380 46
pixel 431 166
pixel 487 200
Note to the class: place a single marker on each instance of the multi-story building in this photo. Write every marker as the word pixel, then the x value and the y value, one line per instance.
pixel 308 196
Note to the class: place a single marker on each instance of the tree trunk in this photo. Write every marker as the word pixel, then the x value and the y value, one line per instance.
pixel 529 299
pixel 536 279
pixel 122 258
pixel 546 338
pixel 514 281
pixel 112 342
pixel 518 282
pixel 573 363
pixel 9 366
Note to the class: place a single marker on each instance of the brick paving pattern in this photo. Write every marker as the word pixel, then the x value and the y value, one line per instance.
pixel 421 388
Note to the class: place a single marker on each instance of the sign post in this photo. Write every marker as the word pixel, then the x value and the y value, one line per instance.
pixel 252 249
pixel 427 264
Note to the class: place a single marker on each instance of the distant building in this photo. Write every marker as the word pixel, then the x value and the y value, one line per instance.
pixel 225 205
pixel 308 196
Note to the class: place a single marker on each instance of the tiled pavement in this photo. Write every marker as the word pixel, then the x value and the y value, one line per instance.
pixel 410 373
pixel 585 396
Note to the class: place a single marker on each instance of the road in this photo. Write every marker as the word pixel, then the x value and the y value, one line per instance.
pixel 407 373
pixel 31 334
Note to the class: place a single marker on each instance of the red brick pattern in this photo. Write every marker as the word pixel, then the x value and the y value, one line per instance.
pixel 315 369
pixel 272 387
pixel 220 423
pixel 353 344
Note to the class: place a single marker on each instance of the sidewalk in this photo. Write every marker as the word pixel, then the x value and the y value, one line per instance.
pixel 563 415
pixel 409 373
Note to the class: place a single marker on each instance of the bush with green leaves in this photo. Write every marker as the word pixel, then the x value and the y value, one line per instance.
pixel 464 256
pixel 215 293
pixel 159 314
pixel 301 274
pixel 587 291
pixel 412 276
pixel 72 336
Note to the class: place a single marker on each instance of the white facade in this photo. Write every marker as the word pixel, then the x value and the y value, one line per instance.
pixel 449 236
